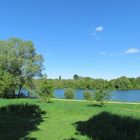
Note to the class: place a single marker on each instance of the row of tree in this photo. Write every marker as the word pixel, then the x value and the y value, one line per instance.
pixel 121 83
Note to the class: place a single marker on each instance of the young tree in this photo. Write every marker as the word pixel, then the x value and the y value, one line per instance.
pixel 102 95
pixel 19 58
pixel 45 90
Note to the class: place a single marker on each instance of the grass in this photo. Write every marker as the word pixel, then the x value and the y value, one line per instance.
pixel 31 119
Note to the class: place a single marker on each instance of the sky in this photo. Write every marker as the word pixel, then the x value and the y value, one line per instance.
pixel 96 38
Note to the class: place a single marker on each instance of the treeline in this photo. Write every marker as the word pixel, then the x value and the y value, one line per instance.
pixel 121 83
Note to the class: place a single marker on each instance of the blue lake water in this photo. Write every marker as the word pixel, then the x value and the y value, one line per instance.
pixel 121 95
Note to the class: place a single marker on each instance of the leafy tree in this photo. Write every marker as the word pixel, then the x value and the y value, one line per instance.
pixel 87 83
pixel 75 77
pixel 19 59
pixel 45 90
pixel 60 77
pixel 7 85
pixel 122 83
pixel 101 95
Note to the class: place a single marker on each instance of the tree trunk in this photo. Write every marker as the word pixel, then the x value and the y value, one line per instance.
pixel 13 94
pixel 19 92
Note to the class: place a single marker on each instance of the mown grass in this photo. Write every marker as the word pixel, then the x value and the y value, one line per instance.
pixel 32 119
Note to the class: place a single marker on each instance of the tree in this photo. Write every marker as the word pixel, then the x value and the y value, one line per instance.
pixel 60 77
pixel 101 95
pixel 19 59
pixel 122 83
pixel 45 90
pixel 75 77
pixel 7 85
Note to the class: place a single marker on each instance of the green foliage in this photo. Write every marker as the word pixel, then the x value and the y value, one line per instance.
pixel 7 85
pixel 59 77
pixel 75 77
pixel 19 60
pixel 87 83
pixel 45 90
pixel 101 95
pixel 69 93
pixel 122 83
pixel 88 95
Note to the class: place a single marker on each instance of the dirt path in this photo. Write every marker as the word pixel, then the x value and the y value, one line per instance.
pixel 73 100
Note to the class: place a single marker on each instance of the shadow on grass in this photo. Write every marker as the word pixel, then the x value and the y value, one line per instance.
pixel 71 139
pixel 16 121
pixel 50 102
pixel 94 105
pixel 108 126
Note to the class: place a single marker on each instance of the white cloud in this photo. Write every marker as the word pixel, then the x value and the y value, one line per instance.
pixel 115 54
pixel 102 52
pixel 97 32
pixel 132 50
pixel 129 51
pixel 99 29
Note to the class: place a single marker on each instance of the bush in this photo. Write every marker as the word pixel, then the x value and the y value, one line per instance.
pixel 69 93
pixel 7 85
pixel 87 95
pixel 101 95
pixel 45 90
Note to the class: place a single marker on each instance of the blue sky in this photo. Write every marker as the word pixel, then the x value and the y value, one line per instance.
pixel 96 38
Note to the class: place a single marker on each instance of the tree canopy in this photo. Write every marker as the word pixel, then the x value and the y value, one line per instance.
pixel 121 83
pixel 19 63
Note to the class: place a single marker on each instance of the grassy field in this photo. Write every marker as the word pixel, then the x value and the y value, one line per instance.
pixel 31 119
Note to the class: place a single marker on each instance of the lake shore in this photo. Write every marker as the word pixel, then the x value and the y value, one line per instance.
pixel 110 102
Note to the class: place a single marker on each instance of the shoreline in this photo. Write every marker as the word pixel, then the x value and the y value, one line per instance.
pixel 110 102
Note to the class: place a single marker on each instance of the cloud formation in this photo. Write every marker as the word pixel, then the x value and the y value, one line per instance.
pixel 97 32
pixel 128 51
pixel 132 50
pixel 99 29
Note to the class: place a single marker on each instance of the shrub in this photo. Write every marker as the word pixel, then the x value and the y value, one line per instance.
pixel 45 90
pixel 87 95
pixel 101 95
pixel 7 85
pixel 69 93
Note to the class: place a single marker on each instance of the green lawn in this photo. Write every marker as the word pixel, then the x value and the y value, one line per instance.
pixel 30 119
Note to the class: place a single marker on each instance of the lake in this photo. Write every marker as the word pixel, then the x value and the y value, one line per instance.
pixel 120 95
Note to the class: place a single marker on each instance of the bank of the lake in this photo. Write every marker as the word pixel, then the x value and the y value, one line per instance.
pixel 59 120
pixel 119 96
pixel 106 102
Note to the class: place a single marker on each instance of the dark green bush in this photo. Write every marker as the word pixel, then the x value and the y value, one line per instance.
pixel 69 93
